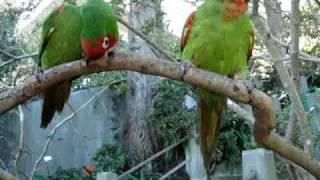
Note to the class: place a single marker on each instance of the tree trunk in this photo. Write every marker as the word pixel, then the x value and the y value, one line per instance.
pixel 139 135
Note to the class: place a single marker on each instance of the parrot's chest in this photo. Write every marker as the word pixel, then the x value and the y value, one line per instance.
pixel 224 50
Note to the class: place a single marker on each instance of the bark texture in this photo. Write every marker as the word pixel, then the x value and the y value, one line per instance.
pixel 236 90
pixel 139 134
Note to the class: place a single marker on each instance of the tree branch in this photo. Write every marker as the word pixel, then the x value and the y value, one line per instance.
pixel 20 147
pixel 147 40
pixel 236 90
pixel 15 58
pixel 278 53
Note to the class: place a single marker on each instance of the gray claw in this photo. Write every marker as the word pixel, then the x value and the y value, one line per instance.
pixel 184 67
pixel 39 72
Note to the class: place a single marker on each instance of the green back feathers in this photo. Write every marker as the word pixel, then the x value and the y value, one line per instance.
pixel 98 14
pixel 218 45
pixel 60 38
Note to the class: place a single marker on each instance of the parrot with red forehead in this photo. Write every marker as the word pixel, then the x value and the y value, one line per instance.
pixel 68 33
pixel 99 33
pixel 217 37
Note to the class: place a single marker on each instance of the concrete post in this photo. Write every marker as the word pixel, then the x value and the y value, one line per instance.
pixel 258 164
pixel 107 176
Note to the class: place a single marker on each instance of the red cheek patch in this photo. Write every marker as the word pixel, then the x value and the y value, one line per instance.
pixel 93 49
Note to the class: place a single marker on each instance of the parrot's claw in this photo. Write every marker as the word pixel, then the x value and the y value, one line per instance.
pixel 184 67
pixel 101 62
pixel 250 87
pixel 39 72
pixel 87 60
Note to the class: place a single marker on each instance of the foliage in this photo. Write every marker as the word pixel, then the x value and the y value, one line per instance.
pixel 235 136
pixel 173 118
pixel 109 158
pixel 115 79
pixel 170 112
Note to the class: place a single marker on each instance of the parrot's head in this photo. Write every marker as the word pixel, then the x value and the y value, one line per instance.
pixel 99 33
pixel 235 8
pixel 96 48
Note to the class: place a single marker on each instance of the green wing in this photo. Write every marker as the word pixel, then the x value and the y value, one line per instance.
pixel 48 29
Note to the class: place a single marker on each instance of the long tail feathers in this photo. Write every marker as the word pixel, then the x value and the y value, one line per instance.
pixel 54 99
pixel 211 118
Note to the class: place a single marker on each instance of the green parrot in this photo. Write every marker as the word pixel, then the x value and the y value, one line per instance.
pixel 99 33
pixel 60 43
pixel 68 33
pixel 217 37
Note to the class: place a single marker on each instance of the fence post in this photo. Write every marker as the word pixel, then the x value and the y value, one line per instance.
pixel 107 176
pixel 194 162
pixel 258 164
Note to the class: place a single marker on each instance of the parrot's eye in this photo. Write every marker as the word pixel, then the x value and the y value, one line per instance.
pixel 106 43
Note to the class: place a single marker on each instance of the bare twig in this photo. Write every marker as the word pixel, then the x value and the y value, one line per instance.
pixel 153 157
pixel 265 118
pixel 3 165
pixel 17 58
pixel 173 170
pixel 142 36
pixel 6 176
pixel 20 147
pixel 52 133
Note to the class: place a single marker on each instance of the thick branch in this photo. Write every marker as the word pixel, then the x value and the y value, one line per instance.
pixel 234 89
pixel 278 53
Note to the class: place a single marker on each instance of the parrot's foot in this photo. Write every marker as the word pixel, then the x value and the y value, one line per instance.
pixel 250 88
pixel 38 73
pixel 184 67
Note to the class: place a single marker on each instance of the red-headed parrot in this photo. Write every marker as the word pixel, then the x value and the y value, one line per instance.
pixel 99 33
pixel 68 33
pixel 217 37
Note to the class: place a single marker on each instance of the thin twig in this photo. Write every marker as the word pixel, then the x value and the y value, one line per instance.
pixel 52 133
pixel 153 157
pixel 20 147
pixel 173 170
pixel 3 165
pixel 18 58
pixel 142 36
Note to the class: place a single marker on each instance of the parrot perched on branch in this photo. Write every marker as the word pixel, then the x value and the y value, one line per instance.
pixel 68 33
pixel 99 33
pixel 217 37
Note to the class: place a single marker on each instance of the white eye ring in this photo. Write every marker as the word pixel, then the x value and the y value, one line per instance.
pixel 105 43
